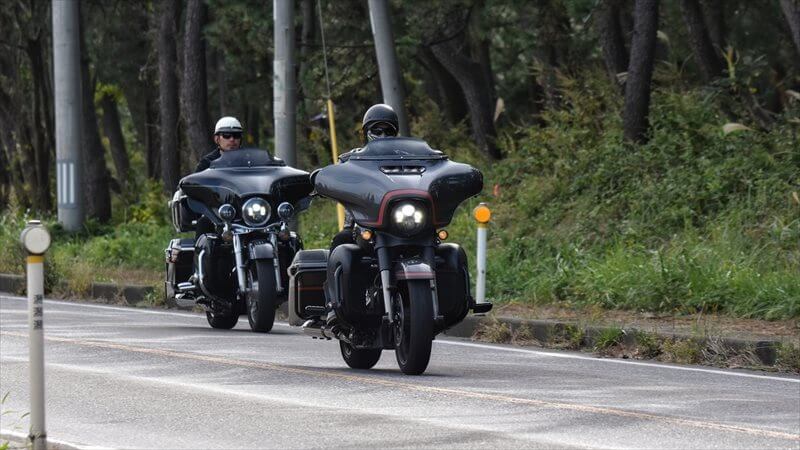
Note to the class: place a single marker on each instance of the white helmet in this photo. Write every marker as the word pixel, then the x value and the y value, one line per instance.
pixel 228 124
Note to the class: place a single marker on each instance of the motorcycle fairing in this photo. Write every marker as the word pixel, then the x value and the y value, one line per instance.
pixel 367 191
pixel 239 174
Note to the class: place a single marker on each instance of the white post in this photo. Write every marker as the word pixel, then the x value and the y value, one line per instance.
pixel 480 287
pixel 482 215
pixel 36 241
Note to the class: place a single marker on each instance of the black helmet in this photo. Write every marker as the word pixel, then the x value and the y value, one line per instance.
pixel 380 113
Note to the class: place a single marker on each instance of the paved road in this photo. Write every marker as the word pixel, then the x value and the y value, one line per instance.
pixel 133 378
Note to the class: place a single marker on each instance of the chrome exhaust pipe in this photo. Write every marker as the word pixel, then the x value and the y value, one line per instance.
pixel 316 330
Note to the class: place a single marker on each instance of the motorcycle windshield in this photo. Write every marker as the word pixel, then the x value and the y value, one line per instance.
pixel 388 170
pixel 239 174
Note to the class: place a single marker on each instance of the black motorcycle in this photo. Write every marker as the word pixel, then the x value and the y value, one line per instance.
pixel 239 265
pixel 398 285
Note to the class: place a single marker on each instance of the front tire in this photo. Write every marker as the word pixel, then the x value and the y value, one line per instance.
pixel 262 297
pixel 413 326
pixel 220 321
pixel 359 358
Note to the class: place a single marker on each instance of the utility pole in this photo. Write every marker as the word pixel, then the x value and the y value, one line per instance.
pixel 391 84
pixel 67 87
pixel 283 82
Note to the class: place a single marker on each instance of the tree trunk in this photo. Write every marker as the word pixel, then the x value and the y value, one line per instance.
pixel 304 103
pixel 168 95
pixel 113 131
pixel 448 95
pixel 612 41
pixel 40 142
pixel 9 125
pixel 97 194
pixel 194 89
pixel 703 49
pixel 714 13
pixel 470 76
pixel 791 10
pixel 640 70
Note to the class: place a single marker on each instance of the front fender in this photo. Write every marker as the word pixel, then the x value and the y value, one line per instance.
pixel 261 250
pixel 413 269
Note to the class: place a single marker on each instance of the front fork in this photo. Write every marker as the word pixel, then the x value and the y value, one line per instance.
pixel 385 267
pixel 241 267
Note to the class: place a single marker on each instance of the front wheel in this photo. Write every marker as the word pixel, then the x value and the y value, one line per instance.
pixel 359 358
pixel 413 326
pixel 222 321
pixel 261 297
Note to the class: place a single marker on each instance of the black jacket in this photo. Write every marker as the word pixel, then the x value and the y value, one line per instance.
pixel 205 161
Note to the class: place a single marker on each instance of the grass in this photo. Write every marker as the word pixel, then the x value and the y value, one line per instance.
pixel 693 222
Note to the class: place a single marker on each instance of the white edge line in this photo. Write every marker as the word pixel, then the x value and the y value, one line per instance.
pixel 20 435
pixel 461 344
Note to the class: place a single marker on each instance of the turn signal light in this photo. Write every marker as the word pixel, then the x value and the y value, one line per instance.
pixel 482 213
pixel 442 235
pixel 366 235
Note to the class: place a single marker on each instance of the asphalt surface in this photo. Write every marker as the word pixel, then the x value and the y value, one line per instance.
pixel 133 378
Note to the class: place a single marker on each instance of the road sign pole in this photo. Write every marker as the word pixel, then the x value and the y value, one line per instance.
pixel 36 241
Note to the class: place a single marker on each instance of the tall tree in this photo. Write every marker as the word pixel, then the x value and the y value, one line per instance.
pixel 791 10
pixel 714 13
pixel 465 56
pixel 98 196
pixel 706 56
pixel 445 89
pixel 168 94
pixel 640 70
pixel 113 131
pixel 194 89
pixel 612 42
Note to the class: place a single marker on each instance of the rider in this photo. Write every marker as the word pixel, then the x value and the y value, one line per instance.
pixel 380 121
pixel 227 136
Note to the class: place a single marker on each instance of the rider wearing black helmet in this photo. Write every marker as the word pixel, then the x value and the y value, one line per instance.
pixel 380 121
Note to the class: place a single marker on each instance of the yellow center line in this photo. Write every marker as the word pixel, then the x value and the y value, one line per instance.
pixel 499 398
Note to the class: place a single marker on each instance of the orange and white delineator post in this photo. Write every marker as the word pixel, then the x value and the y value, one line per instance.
pixel 36 241
pixel 482 215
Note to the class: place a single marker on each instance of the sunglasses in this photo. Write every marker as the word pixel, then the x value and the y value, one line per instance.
pixel 382 131
pixel 231 135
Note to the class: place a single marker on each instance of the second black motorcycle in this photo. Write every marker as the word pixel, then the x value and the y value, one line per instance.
pixel 238 265
pixel 398 284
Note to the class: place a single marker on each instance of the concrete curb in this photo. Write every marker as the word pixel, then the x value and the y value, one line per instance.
pixel 132 294
pixel 542 330
pixel 546 330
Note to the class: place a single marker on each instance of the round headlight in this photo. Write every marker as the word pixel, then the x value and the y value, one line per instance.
pixel 227 212
pixel 408 218
pixel 285 211
pixel 256 212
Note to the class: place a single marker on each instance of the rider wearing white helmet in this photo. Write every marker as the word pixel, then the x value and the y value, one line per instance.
pixel 227 136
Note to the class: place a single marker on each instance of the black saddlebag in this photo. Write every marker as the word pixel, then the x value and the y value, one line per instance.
pixel 306 278
pixel 452 284
pixel 350 277
pixel 179 256
pixel 183 218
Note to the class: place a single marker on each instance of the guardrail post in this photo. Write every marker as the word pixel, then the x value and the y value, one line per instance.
pixel 36 241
